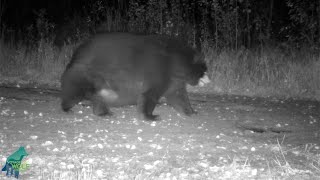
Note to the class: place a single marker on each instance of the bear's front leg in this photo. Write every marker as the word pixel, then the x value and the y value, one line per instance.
pixel 178 98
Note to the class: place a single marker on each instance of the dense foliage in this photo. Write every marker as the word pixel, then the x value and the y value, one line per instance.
pixel 218 23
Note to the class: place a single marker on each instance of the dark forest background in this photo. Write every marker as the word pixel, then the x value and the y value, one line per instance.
pixel 221 23
pixel 265 47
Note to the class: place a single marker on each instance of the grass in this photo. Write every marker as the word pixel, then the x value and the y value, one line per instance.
pixel 236 168
pixel 268 72
pixel 39 67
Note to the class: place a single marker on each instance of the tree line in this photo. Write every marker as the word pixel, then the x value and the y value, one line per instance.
pixel 217 23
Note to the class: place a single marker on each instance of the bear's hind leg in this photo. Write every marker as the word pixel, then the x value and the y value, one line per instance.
pixel 71 95
pixel 68 103
pixel 103 95
pixel 100 107
pixel 73 89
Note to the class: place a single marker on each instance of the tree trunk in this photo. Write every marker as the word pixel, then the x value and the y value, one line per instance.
pixel 2 9
pixel 270 19
pixel 318 21
pixel 216 28
pixel 248 24
pixel 236 45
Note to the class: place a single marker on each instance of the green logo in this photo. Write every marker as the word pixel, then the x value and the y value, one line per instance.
pixel 20 166
pixel 14 163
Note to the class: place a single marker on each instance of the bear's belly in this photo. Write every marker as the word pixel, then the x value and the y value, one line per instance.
pixel 128 93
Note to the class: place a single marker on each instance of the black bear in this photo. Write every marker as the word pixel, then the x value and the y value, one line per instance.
pixel 116 69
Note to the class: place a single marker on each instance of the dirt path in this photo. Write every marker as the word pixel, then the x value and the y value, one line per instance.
pixel 232 137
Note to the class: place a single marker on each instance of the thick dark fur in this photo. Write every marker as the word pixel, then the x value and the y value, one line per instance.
pixel 135 69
